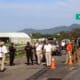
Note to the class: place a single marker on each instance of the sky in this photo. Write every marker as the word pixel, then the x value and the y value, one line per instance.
pixel 16 15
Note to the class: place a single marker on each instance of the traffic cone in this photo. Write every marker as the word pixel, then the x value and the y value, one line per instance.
pixel 70 60
pixel 53 65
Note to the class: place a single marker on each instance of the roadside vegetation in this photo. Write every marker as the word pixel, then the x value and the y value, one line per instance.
pixel 75 33
pixel 19 51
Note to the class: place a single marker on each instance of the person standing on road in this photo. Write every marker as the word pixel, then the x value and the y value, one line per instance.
pixel 69 51
pixel 48 53
pixel 43 53
pixel 35 46
pixel 63 44
pixel 3 51
pixel 39 52
pixel 29 54
pixel 12 51
pixel 75 52
pixel 78 42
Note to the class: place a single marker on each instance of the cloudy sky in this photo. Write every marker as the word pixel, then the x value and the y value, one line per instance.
pixel 16 15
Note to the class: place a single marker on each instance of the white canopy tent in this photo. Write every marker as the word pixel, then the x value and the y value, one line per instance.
pixel 16 37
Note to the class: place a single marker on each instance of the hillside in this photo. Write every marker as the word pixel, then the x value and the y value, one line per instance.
pixel 52 30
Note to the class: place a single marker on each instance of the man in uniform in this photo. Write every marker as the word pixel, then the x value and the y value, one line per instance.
pixel 12 51
pixel 29 54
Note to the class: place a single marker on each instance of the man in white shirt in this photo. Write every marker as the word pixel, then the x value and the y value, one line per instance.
pixel 39 52
pixel 3 51
pixel 63 44
pixel 48 52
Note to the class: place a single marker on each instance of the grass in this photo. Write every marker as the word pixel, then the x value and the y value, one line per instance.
pixel 17 55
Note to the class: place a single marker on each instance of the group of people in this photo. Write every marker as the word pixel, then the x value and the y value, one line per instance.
pixel 73 51
pixel 45 50
pixel 3 52
pixel 40 52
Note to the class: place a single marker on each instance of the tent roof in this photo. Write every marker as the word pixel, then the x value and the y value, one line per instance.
pixel 15 35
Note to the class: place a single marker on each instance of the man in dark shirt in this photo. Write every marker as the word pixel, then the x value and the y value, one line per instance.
pixel 29 55
pixel 79 42
pixel 12 51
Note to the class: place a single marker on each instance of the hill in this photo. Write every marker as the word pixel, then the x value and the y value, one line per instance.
pixel 52 30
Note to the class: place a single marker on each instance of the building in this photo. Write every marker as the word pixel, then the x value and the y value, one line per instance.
pixel 16 37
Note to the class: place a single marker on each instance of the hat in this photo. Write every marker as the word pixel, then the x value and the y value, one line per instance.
pixel 1 43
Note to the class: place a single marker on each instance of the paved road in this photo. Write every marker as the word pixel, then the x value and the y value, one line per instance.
pixel 37 72
pixel 74 75
pixel 20 71
pixel 59 73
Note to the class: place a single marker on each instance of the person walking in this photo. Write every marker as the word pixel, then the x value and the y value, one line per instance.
pixel 12 51
pixel 3 51
pixel 29 54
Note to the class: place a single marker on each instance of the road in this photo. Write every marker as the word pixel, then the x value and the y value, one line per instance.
pixel 22 71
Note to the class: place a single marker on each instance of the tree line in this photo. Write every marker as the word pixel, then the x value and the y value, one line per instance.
pixel 73 34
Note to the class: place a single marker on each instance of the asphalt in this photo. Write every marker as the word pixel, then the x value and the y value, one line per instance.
pixel 21 71
pixel 59 73
pixel 75 75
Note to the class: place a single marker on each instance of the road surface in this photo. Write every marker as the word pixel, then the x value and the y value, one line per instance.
pixel 21 71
